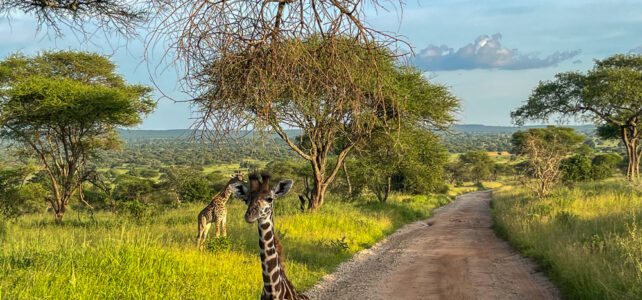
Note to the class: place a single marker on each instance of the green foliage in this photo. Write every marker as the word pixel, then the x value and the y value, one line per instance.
pixel 220 244
pixel 408 156
pixel 478 164
pixel 556 139
pixel 136 211
pixel 130 188
pixel 587 238
pixel 577 168
pixel 17 196
pixel 63 107
pixel 196 190
pixel 584 168
pixel 544 149
pixel 604 165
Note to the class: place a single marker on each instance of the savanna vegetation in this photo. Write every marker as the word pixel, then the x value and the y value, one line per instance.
pixel 587 238
pixel 91 210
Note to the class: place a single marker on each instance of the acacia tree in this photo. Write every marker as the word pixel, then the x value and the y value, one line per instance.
pixel 610 95
pixel 544 150
pixel 272 65
pixel 64 108
pixel 478 165
pixel 409 150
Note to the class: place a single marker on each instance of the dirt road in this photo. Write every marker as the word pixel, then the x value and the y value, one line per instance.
pixel 453 255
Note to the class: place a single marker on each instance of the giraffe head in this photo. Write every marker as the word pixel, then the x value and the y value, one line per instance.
pixel 236 177
pixel 259 197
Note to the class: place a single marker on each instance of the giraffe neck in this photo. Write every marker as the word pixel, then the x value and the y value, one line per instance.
pixel 223 195
pixel 270 263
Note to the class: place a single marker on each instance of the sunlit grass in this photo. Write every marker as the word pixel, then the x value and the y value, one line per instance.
pixel 112 258
pixel 588 238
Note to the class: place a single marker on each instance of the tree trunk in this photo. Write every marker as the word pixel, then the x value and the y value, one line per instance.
pixel 318 193
pixel 318 188
pixel 345 171
pixel 385 198
pixel 632 144
pixel 60 213
pixel 633 167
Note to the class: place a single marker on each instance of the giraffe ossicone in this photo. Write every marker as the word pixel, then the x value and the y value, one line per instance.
pixel 260 199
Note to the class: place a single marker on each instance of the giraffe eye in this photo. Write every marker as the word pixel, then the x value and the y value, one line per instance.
pixel 269 199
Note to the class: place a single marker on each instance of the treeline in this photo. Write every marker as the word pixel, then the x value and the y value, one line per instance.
pixel 461 142
pixel 159 152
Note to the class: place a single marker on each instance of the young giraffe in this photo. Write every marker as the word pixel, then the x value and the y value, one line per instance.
pixel 216 212
pixel 259 199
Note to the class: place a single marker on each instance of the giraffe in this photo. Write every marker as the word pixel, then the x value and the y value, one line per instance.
pixel 216 212
pixel 259 199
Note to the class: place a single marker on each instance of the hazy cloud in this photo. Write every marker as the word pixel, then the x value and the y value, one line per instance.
pixel 577 61
pixel 485 53
pixel 638 50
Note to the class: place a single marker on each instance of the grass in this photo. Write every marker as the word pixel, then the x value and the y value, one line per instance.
pixel 116 258
pixel 587 238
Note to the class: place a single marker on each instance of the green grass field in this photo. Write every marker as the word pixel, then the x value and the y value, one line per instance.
pixel 119 258
pixel 587 238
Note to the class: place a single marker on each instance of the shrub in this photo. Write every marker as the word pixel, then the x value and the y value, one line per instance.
pixel 220 244
pixel 136 211
pixel 576 168
pixel 196 190
pixel 604 165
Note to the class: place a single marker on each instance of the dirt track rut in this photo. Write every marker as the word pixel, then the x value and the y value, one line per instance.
pixel 453 255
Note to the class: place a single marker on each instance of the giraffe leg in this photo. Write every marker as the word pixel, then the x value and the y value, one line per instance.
pixel 218 228
pixel 199 237
pixel 205 231
pixel 224 224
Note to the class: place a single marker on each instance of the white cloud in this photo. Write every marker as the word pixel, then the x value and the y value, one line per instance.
pixel 485 53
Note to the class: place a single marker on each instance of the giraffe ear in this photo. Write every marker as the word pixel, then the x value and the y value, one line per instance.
pixel 282 188
pixel 240 191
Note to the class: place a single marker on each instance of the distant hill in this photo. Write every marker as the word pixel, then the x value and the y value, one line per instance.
pixel 484 129
pixel 135 134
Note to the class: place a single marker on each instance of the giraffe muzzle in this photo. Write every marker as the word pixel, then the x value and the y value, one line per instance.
pixel 251 215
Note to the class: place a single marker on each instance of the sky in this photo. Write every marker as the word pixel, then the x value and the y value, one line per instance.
pixel 491 54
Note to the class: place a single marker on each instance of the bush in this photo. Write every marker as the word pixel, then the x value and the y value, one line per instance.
pixel 576 168
pixel 196 190
pixel 136 211
pixel 220 244
pixel 604 165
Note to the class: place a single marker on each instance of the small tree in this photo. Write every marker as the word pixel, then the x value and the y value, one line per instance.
pixel 544 150
pixel 64 108
pixel 610 95
pixel 130 188
pixel 477 164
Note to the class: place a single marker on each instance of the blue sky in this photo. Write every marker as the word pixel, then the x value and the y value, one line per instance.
pixel 490 53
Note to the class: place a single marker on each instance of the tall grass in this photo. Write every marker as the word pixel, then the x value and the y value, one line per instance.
pixel 588 238
pixel 114 258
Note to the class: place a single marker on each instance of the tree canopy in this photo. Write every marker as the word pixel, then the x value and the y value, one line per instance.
pixel 64 108
pixel 544 149
pixel 610 95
